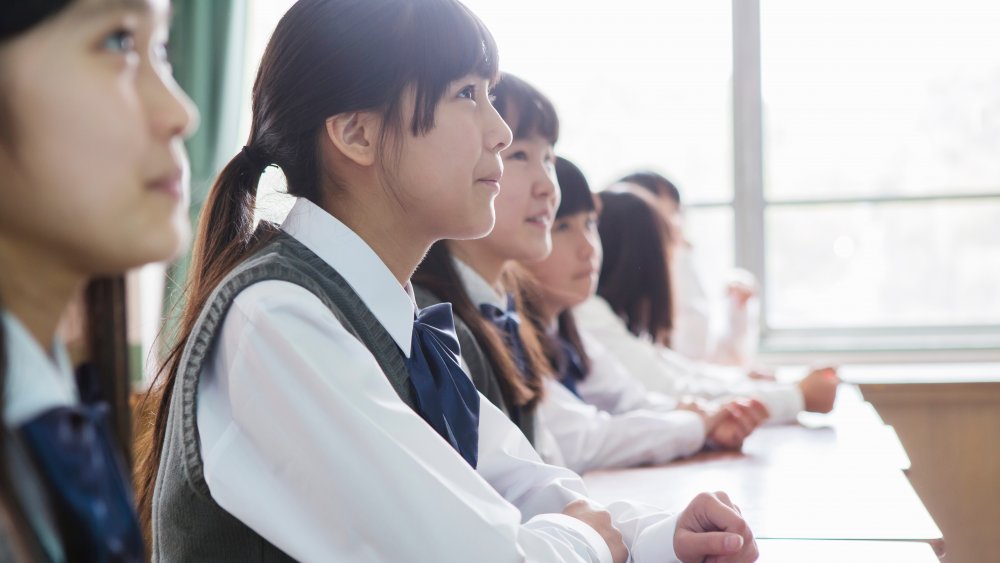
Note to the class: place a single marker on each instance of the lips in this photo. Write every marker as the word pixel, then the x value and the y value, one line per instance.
pixel 168 183
pixel 542 219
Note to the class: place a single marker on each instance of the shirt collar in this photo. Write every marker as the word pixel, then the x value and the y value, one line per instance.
pixel 36 381
pixel 478 289
pixel 340 247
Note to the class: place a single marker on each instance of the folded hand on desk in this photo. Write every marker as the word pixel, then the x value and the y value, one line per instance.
pixel 712 529
pixel 728 425
pixel 819 389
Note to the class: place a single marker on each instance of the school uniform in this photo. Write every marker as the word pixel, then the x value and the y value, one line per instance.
pixel 68 475
pixel 663 370
pixel 700 334
pixel 590 438
pixel 305 438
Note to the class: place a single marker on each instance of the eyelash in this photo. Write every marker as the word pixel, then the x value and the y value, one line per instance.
pixel 121 40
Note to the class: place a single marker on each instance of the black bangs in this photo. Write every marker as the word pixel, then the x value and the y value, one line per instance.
pixel 447 42
pixel 576 194
pixel 20 16
pixel 535 113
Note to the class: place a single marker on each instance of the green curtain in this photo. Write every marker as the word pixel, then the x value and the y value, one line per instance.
pixel 207 50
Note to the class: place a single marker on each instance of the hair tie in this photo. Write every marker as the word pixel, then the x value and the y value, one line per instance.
pixel 254 159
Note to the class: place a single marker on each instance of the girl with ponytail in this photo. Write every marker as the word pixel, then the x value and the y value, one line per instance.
pixel 310 412
pixel 91 162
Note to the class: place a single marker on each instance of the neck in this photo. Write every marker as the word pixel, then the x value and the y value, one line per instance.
pixel 379 225
pixel 36 288
pixel 477 257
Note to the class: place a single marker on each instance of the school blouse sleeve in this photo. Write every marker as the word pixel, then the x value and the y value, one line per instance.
pixel 609 387
pixel 591 439
pixel 314 451
pixel 512 467
pixel 665 371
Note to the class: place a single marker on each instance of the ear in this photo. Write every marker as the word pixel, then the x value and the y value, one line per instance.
pixel 355 135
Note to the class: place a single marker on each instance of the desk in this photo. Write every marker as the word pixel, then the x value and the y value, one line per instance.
pixel 833 551
pixel 839 479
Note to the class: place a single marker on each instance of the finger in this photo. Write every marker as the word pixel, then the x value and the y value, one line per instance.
pixel 692 546
pixel 724 498
pixel 763 413
pixel 741 415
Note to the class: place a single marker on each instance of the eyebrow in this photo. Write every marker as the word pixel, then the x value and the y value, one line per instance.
pixel 94 10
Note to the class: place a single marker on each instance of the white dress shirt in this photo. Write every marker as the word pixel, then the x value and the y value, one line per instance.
pixel 305 441
pixel 589 438
pixel 36 381
pixel 663 370
pixel 705 329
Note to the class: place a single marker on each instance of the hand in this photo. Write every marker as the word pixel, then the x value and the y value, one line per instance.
pixel 819 389
pixel 711 529
pixel 741 287
pixel 759 374
pixel 599 520
pixel 733 422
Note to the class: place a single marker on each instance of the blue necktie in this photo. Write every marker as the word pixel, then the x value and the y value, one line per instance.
pixel 82 474
pixel 570 367
pixel 446 397
pixel 508 323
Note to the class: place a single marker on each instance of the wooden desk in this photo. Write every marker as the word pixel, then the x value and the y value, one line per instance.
pixel 834 551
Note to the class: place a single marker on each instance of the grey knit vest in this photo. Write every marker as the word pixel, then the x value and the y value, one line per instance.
pixel 480 368
pixel 188 525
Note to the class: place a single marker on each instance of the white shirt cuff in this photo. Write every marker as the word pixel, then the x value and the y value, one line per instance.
pixel 656 542
pixel 584 539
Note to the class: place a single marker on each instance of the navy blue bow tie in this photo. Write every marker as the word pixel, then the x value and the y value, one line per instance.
pixel 571 370
pixel 508 323
pixel 71 448
pixel 446 397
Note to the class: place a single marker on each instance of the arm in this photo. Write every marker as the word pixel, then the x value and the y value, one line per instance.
pixel 322 459
pixel 593 439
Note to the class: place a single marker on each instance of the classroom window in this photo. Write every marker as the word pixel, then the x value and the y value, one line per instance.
pixel 881 185
pixel 868 190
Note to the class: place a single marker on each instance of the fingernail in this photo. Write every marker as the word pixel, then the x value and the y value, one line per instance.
pixel 733 543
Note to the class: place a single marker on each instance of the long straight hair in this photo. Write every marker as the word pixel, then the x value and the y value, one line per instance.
pixel 576 198
pixel 635 275
pixel 437 273
pixel 326 57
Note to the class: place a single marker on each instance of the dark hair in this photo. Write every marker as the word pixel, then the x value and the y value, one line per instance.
pixel 20 16
pixel 104 302
pixel 635 276
pixel 534 111
pixel 438 275
pixel 576 198
pixel 326 57
pixel 656 183
pixel 576 194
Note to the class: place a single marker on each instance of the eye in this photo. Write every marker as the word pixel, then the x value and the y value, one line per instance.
pixel 592 223
pixel 468 92
pixel 121 40
pixel 492 97
pixel 517 155
pixel 560 226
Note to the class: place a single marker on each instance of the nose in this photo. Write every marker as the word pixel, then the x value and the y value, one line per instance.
pixel 171 112
pixel 498 134
pixel 546 185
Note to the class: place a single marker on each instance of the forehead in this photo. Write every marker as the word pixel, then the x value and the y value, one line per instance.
pixel 98 8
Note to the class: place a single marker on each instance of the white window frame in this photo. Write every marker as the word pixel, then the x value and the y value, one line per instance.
pixel 886 343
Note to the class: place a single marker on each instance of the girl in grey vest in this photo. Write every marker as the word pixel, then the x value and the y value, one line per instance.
pixel 311 412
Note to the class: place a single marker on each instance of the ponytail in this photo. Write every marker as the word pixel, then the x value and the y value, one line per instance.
pixel 226 236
